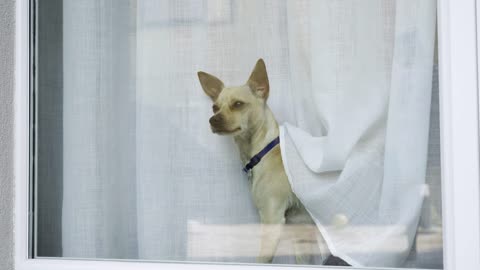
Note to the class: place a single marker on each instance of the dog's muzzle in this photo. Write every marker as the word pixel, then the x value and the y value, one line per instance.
pixel 216 121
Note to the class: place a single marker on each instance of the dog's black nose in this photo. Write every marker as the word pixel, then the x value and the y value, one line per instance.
pixel 216 120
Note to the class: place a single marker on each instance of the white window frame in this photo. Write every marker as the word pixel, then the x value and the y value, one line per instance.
pixel 459 121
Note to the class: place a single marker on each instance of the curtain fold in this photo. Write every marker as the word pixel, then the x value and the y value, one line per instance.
pixel 99 210
pixel 373 90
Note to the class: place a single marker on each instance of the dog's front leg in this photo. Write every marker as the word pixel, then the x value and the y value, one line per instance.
pixel 272 220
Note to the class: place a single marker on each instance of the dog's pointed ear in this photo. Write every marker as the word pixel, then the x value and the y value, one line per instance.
pixel 212 86
pixel 258 80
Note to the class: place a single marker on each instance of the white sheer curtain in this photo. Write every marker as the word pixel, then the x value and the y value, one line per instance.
pixel 145 178
pixel 369 82
pixel 99 194
pixel 187 177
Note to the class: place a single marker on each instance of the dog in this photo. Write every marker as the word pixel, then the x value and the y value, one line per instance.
pixel 242 113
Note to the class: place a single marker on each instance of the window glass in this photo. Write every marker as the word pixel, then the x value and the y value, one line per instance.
pixel 285 132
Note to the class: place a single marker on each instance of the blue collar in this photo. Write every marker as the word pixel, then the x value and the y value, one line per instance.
pixel 258 157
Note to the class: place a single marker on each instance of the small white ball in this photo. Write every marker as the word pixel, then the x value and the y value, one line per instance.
pixel 339 220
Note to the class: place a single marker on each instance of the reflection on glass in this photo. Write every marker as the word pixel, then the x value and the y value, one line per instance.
pixel 127 166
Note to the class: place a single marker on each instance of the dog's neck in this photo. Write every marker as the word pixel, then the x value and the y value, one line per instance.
pixel 258 136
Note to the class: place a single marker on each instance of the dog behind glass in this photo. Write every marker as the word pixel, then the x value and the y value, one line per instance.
pixel 242 112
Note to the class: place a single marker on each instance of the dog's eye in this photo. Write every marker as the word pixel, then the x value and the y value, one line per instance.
pixel 215 108
pixel 238 104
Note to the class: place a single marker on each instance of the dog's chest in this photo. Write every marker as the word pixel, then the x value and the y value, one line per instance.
pixel 264 177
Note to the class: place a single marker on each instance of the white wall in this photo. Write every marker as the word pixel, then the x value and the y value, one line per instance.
pixel 7 30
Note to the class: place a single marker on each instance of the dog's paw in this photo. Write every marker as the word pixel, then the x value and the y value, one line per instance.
pixel 303 259
pixel 264 259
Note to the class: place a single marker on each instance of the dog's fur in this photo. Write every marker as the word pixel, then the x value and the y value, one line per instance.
pixel 242 112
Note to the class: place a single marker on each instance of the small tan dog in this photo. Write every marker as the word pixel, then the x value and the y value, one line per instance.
pixel 242 112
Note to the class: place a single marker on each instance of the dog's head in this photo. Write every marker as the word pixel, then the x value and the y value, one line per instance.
pixel 237 109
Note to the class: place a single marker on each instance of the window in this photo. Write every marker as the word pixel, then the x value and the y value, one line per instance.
pixel 124 164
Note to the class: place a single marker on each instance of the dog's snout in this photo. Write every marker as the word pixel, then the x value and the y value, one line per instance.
pixel 216 120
